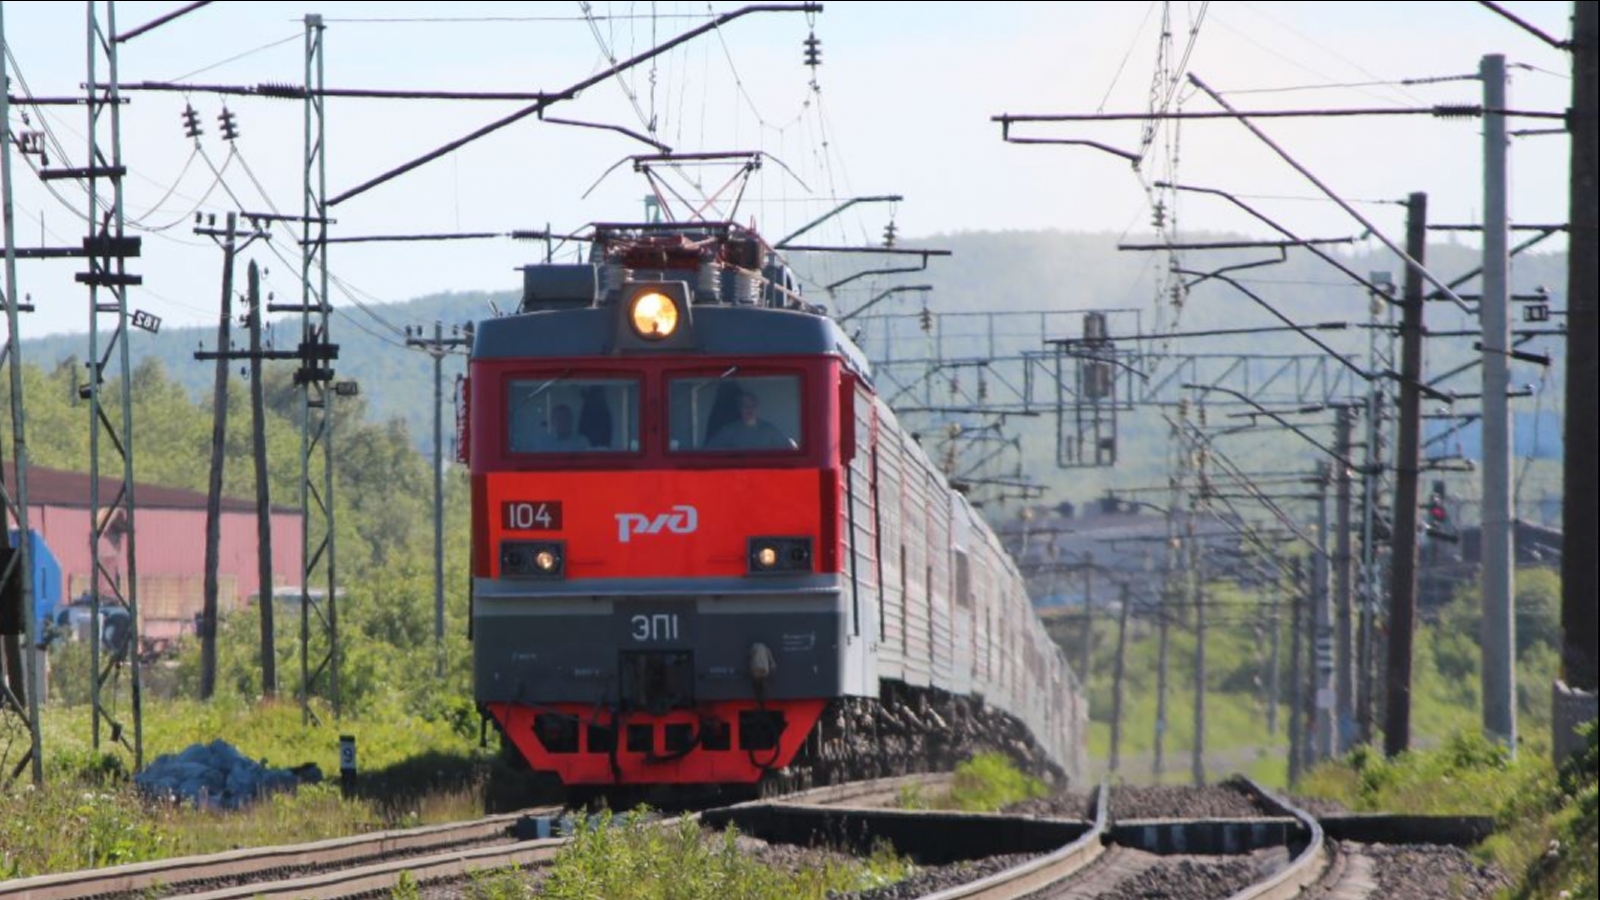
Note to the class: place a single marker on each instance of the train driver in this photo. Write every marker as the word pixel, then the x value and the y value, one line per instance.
pixel 561 438
pixel 750 431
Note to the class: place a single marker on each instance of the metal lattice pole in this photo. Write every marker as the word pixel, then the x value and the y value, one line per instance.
pixel 112 524
pixel 316 437
pixel 19 569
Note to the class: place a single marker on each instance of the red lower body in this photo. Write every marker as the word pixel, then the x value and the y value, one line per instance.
pixel 728 742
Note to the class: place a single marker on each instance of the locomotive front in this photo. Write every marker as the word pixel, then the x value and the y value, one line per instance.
pixel 655 449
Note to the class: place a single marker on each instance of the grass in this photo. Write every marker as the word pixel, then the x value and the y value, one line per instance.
pixel 989 782
pixel 88 815
pixel 1545 821
pixel 621 859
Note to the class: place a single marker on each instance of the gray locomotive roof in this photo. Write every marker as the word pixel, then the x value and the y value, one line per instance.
pixel 717 330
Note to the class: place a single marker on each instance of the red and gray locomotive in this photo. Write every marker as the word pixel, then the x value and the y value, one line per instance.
pixel 704 550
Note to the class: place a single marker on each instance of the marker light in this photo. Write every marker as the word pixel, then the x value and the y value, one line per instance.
pixel 654 315
pixel 533 559
pixel 778 555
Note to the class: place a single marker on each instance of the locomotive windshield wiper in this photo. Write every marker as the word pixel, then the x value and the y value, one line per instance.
pixel 534 394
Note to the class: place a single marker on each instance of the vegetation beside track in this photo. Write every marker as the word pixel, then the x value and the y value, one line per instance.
pixel 618 859
pixel 1445 688
pixel 989 782
pixel 1545 820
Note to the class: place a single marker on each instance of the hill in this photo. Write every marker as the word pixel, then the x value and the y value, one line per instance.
pixel 1011 271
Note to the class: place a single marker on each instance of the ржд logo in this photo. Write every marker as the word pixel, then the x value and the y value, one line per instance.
pixel 681 520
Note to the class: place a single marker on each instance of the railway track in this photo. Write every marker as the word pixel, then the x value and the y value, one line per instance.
pixel 1215 843
pixel 345 867
pixel 1256 846
pixel 1251 845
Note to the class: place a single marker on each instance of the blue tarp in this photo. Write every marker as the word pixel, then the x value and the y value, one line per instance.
pixel 46 578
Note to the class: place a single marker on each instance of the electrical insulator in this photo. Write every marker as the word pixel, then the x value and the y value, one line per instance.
pixel 191 122
pixel 926 318
pixel 1158 215
pixel 230 125
pixel 983 389
pixel 813 50
pixel 889 232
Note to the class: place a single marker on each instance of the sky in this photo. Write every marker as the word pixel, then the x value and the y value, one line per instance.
pixel 901 104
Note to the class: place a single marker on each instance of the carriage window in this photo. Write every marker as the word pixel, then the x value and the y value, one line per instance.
pixel 573 415
pixel 734 413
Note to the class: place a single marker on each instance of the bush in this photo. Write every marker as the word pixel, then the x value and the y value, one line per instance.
pixel 989 782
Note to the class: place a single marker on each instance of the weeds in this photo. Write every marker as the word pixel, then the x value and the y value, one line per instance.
pixel 405 888
pixel 507 883
pixel 1545 821
pixel 624 859
pixel 989 782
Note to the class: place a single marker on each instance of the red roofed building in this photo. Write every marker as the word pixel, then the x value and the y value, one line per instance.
pixel 171 543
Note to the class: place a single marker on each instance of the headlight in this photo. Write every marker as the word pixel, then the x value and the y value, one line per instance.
pixel 654 315
pixel 778 554
pixel 533 559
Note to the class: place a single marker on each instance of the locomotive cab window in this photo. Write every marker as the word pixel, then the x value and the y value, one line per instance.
pixel 734 413
pixel 573 415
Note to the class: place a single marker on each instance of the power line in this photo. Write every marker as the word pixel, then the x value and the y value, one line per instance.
pixel 297 36
pixel 477 20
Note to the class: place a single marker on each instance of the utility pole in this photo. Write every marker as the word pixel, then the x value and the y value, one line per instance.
pixel 1403 563
pixel 19 683
pixel 1498 628
pixel 1197 561
pixel 1580 633
pixel 437 347
pixel 1344 659
pixel 1163 642
pixel 1297 729
pixel 318 531
pixel 108 280
pixel 1087 650
pixel 258 447
pixel 1274 689
pixel 219 439
pixel 1322 634
pixel 1116 678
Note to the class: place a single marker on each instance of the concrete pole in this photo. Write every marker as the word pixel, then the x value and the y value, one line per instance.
pixel 258 447
pixel 1580 634
pixel 1274 690
pixel 1116 678
pixel 219 441
pixel 1403 563
pixel 438 498
pixel 1297 686
pixel 1498 636
pixel 1344 658
pixel 1322 642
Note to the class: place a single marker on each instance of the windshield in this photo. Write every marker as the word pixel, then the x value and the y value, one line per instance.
pixel 573 415
pixel 730 413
